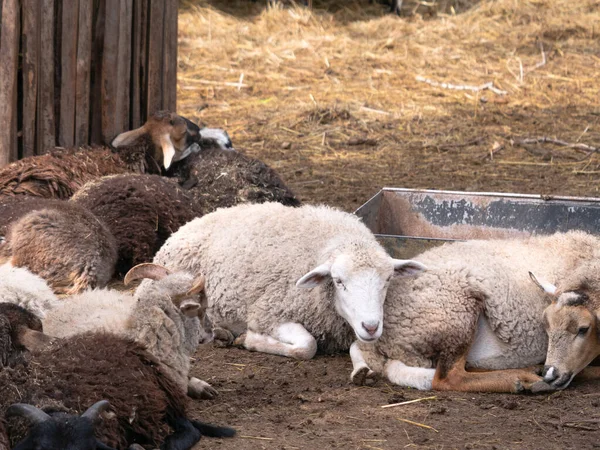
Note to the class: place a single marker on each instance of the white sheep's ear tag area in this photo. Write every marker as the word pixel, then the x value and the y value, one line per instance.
pixel 190 309
pixel 128 137
pixel 315 277
pixel 408 268
pixel 168 150
pixel 548 288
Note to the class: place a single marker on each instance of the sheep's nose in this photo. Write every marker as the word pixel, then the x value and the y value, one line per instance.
pixel 549 374
pixel 371 327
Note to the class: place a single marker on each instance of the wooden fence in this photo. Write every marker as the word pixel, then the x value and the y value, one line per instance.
pixel 76 72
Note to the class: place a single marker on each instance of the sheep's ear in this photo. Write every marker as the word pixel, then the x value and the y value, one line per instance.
pixel 408 267
pixel 128 137
pixel 548 288
pixel 34 341
pixel 189 308
pixel 315 277
pixel 198 286
pixel 168 150
pixel 146 270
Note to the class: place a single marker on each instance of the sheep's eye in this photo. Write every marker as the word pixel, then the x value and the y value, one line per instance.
pixel 583 331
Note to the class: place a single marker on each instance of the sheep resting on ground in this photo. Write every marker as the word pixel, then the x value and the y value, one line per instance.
pixel 163 139
pixel 141 211
pixel 63 243
pixel 475 307
pixel 261 263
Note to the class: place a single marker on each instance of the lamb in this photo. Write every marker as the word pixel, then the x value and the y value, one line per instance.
pixel 218 179
pixel 63 243
pixel 165 138
pixel 116 379
pixel 571 322
pixel 166 316
pixel 259 259
pixel 21 287
pixel 141 211
pixel 475 307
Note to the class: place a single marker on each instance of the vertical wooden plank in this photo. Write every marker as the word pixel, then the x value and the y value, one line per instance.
pixel 96 72
pixel 136 65
pixel 45 113
pixel 155 55
pixel 169 81
pixel 143 80
pixel 109 68
pixel 84 60
pixel 9 52
pixel 123 67
pixel 31 55
pixel 68 77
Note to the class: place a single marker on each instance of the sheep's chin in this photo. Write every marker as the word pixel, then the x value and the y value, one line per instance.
pixel 368 339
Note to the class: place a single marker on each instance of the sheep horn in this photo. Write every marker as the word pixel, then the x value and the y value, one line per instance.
pixel 94 411
pixel 198 286
pixel 31 413
pixel 146 270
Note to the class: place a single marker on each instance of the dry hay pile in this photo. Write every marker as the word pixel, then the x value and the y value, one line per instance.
pixel 331 98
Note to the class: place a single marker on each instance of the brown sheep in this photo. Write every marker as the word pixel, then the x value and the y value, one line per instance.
pixel 163 139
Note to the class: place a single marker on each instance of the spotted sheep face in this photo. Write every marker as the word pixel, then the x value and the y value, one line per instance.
pixel 572 327
pixel 174 137
pixel 360 288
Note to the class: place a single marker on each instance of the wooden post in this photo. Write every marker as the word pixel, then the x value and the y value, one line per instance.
pixel 9 52
pixel 31 64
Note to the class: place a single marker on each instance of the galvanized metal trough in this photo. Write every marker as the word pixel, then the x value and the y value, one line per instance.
pixel 409 221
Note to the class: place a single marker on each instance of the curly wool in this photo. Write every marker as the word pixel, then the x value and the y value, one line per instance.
pixel 141 211
pixel 21 287
pixel 218 179
pixel 431 318
pixel 252 256
pixel 77 372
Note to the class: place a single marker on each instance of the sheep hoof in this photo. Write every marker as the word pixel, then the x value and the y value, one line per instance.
pixel 359 376
pixel 240 340
pixel 201 390
pixel 223 337
pixel 541 386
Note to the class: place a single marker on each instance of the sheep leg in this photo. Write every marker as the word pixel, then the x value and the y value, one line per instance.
pixel 451 375
pixel 201 389
pixel 290 339
pixel 415 377
pixel 589 373
pixel 185 436
pixel 360 370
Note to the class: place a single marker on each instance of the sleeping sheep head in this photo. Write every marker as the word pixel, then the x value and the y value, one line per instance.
pixel 174 137
pixel 187 294
pixel 572 324
pixel 59 430
pixel 359 279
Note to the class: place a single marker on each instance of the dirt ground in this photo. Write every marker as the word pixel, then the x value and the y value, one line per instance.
pixel 334 100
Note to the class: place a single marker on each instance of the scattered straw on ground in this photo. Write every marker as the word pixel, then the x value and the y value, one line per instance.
pixel 345 99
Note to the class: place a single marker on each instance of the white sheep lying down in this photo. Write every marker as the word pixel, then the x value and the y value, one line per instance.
pixel 476 306
pixel 21 287
pixel 296 279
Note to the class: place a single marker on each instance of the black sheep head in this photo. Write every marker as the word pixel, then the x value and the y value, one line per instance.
pixel 59 431
pixel 174 137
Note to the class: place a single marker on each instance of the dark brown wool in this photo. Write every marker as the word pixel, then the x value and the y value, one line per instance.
pixel 141 211
pixel 217 178
pixel 77 372
pixel 61 172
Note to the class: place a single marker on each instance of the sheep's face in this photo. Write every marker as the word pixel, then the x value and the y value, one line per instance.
pixel 60 433
pixel 359 289
pixel 572 338
pixel 174 137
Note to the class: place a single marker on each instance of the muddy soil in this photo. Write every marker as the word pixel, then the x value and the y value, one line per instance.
pixel 279 403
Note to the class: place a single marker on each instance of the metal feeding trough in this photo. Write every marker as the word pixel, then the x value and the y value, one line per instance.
pixel 409 221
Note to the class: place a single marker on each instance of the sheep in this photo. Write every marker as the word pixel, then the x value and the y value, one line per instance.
pixel 475 307
pixel 126 386
pixel 141 211
pixel 21 287
pixel 63 243
pixel 259 259
pixel 165 137
pixel 395 5
pixel 15 323
pixel 571 322
pixel 218 179
pixel 167 316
